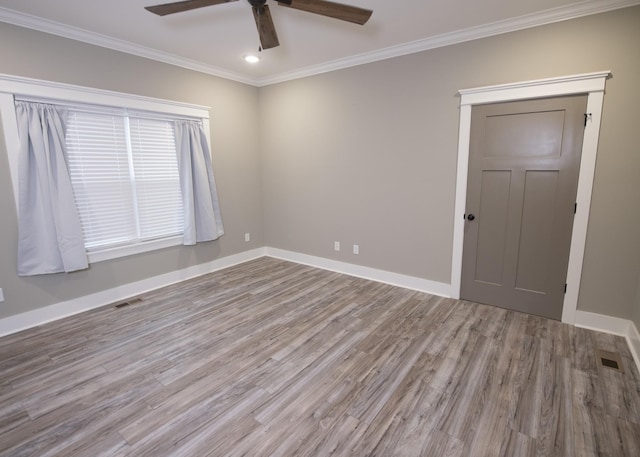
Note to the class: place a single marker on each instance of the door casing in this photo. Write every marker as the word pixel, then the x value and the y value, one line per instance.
pixel 592 84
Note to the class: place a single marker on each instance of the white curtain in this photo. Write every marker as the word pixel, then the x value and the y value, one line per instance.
pixel 202 221
pixel 50 236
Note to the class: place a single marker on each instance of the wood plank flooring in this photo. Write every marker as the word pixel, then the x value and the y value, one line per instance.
pixel 271 358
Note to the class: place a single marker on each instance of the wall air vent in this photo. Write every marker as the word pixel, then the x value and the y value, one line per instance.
pixel 132 301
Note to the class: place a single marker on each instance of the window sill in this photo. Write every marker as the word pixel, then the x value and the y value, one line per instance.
pixel 124 251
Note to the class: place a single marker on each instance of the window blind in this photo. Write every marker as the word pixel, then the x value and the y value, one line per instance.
pixel 155 164
pixel 124 173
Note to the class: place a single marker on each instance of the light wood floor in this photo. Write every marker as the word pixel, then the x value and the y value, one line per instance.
pixel 273 358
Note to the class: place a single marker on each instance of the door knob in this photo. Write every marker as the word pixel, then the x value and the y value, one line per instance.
pixel 470 217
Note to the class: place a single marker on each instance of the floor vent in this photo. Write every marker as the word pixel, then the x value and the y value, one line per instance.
pixel 127 303
pixel 611 360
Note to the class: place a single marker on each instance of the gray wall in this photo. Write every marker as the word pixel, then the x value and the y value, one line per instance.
pixel 367 155
pixel 234 149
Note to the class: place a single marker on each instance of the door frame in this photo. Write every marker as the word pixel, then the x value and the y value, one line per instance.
pixel 592 84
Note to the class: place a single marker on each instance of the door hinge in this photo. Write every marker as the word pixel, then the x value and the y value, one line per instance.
pixel 575 208
pixel 565 287
pixel 587 117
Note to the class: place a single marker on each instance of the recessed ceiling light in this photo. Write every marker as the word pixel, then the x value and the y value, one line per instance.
pixel 251 58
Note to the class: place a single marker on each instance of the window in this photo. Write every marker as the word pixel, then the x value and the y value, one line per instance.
pixel 122 161
pixel 124 172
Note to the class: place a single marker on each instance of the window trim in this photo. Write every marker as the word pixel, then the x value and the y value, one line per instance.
pixel 12 87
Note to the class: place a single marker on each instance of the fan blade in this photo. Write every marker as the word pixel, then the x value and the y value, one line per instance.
pixel 266 28
pixel 179 7
pixel 331 9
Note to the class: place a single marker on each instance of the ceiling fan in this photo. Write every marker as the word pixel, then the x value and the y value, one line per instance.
pixel 262 15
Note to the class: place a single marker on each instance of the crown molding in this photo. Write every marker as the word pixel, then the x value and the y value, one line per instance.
pixel 564 13
pixel 559 14
pixel 56 28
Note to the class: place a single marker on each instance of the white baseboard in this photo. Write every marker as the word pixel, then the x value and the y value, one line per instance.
pixel 40 316
pixel 373 274
pixel 29 319
pixel 602 323
pixel 613 325
pixel 634 343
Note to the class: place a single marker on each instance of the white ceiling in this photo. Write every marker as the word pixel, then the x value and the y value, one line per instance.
pixel 214 39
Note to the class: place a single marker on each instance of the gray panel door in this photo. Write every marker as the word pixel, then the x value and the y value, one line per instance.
pixel 524 161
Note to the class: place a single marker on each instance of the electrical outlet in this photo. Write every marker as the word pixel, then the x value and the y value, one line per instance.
pixel 336 245
pixel 356 249
pixel 247 237
pixel 1 296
